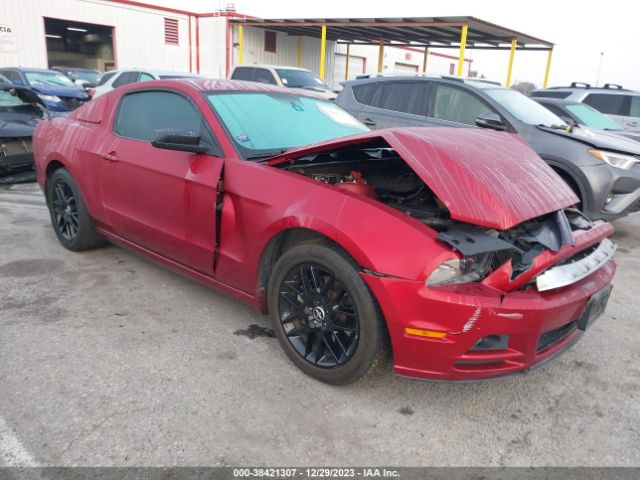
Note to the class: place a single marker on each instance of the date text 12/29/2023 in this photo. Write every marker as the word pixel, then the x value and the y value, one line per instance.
pixel 319 472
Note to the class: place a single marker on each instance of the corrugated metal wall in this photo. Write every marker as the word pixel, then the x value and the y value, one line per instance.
pixel 286 51
pixel 138 40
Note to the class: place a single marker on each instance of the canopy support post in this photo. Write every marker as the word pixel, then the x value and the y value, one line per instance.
pixel 514 43
pixel 299 64
pixel 346 67
pixel 425 59
pixel 380 54
pixel 546 72
pixel 323 47
pixel 463 44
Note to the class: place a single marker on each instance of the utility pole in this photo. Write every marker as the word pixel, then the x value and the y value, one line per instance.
pixel 599 68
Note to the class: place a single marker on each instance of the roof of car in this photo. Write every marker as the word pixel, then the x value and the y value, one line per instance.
pixel 556 101
pixel 586 87
pixel 22 69
pixel 473 82
pixel 154 71
pixel 264 65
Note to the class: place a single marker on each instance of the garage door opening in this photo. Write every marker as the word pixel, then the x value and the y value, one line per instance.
pixel 79 45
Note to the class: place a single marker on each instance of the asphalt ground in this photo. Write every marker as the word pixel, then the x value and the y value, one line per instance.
pixel 107 359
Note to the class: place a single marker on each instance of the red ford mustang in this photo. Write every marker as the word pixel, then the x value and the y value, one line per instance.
pixel 457 250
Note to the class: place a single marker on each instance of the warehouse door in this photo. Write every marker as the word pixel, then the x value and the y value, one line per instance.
pixel 405 68
pixel 76 48
pixel 356 67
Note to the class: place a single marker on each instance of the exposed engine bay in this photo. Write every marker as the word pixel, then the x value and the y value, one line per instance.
pixel 382 175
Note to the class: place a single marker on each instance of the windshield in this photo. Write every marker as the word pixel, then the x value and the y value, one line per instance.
pixel 523 108
pixel 592 118
pixel 300 79
pixel 8 99
pixel 87 75
pixel 265 124
pixel 49 78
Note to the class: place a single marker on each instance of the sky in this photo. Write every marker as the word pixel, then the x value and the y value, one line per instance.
pixel 579 30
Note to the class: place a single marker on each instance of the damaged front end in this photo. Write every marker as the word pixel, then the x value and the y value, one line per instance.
pixel 515 273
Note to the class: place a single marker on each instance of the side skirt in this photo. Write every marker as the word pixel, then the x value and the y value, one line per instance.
pixel 179 268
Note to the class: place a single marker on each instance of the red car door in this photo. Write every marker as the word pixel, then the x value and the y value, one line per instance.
pixel 162 200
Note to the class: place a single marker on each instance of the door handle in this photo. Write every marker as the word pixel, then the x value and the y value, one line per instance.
pixel 369 122
pixel 110 157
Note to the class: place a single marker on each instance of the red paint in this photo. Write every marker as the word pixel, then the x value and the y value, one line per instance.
pixel 162 204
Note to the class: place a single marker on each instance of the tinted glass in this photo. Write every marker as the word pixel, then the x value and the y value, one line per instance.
pixel 141 113
pixel 125 79
pixel 592 117
pixel 264 76
pixel 91 76
pixel 550 94
pixel 12 75
pixel 105 77
pixel 457 105
pixel 406 97
pixel 242 74
pixel 634 110
pixel 523 108
pixel 8 99
pixel 611 104
pixel 364 93
pixel 260 122
pixel 145 77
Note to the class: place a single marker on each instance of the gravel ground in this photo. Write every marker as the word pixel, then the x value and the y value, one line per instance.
pixel 109 360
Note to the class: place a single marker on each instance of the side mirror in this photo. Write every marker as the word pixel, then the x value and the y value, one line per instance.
pixel 180 140
pixel 490 120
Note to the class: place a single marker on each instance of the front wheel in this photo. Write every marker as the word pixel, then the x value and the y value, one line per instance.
pixel 324 315
pixel 71 221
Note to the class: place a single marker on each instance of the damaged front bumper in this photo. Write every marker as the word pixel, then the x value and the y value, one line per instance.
pixel 503 325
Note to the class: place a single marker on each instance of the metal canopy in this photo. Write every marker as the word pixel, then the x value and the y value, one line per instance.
pixel 436 32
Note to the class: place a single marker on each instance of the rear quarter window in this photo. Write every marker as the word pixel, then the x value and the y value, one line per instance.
pixel 105 78
pixel 242 73
pixel 611 104
pixel 364 93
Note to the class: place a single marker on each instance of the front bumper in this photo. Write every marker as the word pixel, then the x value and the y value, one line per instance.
pixel 540 325
pixel 614 192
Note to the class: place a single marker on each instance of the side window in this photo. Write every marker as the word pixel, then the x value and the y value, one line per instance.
pixel 242 73
pixel 364 93
pixel 14 76
pixel 264 76
pixel 634 109
pixel 142 113
pixel 145 77
pixel 457 105
pixel 406 97
pixel 125 79
pixel 611 104
pixel 105 77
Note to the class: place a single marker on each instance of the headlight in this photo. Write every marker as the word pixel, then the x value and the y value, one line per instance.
pixel 467 269
pixel 49 98
pixel 615 159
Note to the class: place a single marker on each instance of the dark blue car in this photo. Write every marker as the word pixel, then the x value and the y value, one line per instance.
pixel 56 91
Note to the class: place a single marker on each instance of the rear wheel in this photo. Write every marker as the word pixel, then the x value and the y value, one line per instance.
pixel 324 315
pixel 71 221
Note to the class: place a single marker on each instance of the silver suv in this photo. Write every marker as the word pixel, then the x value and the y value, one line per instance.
pixel 618 103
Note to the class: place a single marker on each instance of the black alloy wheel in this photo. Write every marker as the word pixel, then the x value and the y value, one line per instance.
pixel 318 316
pixel 324 315
pixel 65 211
pixel 70 218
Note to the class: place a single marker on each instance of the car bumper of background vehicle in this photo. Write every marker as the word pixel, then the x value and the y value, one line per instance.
pixel 533 326
pixel 615 192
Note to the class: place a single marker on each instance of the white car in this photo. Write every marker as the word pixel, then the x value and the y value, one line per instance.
pixel 290 77
pixel 116 78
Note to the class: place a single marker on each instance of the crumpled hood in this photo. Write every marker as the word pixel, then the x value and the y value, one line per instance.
pixel 67 92
pixel 18 124
pixel 487 178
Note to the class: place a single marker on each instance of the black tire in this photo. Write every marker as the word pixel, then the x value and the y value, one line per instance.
pixel 318 300
pixel 70 219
